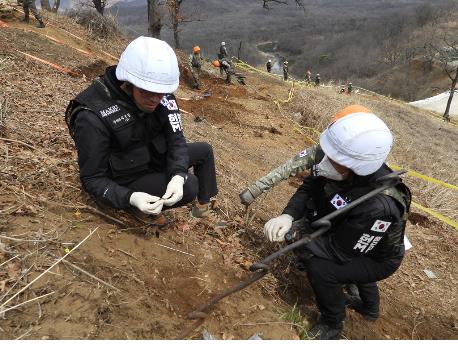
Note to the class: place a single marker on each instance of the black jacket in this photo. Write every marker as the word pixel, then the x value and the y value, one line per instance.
pixel 117 143
pixel 375 228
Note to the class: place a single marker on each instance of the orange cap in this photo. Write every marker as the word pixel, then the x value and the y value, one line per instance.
pixel 215 63
pixel 348 110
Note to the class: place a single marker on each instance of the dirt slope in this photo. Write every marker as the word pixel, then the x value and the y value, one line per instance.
pixel 162 274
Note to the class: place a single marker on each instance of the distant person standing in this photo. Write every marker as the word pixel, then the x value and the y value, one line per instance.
pixel 222 55
pixel 317 80
pixel 269 66
pixel 349 88
pixel 285 70
pixel 30 5
pixel 196 66
pixel 308 76
pixel 227 68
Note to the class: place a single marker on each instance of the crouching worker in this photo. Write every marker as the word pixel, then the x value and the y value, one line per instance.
pixel 366 244
pixel 128 133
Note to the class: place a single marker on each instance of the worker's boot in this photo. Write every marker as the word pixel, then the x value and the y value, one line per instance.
pixel 353 301
pixel 25 19
pixel 367 312
pixel 40 24
pixel 325 331
pixel 208 214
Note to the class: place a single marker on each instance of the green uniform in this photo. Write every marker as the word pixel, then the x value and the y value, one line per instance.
pixel 30 5
pixel 196 65
pixel 298 164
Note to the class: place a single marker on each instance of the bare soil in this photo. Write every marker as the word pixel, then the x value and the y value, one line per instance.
pixel 161 274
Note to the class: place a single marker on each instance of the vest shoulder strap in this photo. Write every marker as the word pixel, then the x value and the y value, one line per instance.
pixel 402 195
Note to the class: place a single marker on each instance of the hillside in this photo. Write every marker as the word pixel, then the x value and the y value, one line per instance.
pixel 149 278
pixel 375 44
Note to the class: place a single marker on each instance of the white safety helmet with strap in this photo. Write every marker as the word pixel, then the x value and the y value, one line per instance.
pixel 150 64
pixel 358 140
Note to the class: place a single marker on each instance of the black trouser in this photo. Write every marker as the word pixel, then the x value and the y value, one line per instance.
pixel 327 278
pixel 202 183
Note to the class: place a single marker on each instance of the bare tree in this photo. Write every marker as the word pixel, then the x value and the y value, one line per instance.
pixel 100 5
pixel 154 19
pixel 45 5
pixel 448 56
pixel 174 8
pixel 55 6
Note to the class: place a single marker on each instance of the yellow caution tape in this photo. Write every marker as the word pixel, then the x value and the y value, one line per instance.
pixel 435 214
pixel 412 173
pixel 428 179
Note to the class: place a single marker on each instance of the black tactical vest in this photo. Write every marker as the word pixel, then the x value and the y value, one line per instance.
pixel 328 196
pixel 139 146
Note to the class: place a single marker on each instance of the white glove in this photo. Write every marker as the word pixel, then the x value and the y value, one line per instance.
pixel 147 203
pixel 174 192
pixel 276 228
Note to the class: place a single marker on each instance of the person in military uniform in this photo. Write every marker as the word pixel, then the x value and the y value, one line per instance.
pixel 317 80
pixel 222 55
pixel 363 246
pixel 349 88
pixel 308 76
pixel 127 128
pixel 269 66
pixel 196 65
pixel 228 68
pixel 29 5
pixel 285 70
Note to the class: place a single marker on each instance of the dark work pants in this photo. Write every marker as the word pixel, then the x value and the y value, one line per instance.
pixel 202 183
pixel 30 5
pixel 327 278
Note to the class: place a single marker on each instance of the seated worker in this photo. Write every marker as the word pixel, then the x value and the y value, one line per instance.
pixel 129 137
pixel 364 245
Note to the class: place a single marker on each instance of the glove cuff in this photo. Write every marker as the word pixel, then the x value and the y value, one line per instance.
pixel 288 216
pixel 254 190
pixel 179 177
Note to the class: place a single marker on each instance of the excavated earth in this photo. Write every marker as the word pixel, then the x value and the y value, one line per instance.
pixel 150 278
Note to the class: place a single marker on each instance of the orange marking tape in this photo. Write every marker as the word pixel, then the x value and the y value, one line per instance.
pixel 53 65
pixel 85 52
pixel 54 39
pixel 113 57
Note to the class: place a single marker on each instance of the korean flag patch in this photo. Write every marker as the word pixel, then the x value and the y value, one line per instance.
pixel 172 105
pixel 338 202
pixel 303 153
pixel 380 226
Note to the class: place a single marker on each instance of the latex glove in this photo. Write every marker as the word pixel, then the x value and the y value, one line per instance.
pixel 147 203
pixel 174 191
pixel 276 228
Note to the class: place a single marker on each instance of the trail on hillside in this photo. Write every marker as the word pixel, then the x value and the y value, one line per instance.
pixel 154 276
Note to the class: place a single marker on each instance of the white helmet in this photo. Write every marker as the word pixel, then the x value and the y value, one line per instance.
pixel 358 140
pixel 223 43
pixel 149 64
pixel 270 60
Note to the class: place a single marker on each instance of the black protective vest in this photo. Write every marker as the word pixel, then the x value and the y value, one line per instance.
pixel 139 146
pixel 327 196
